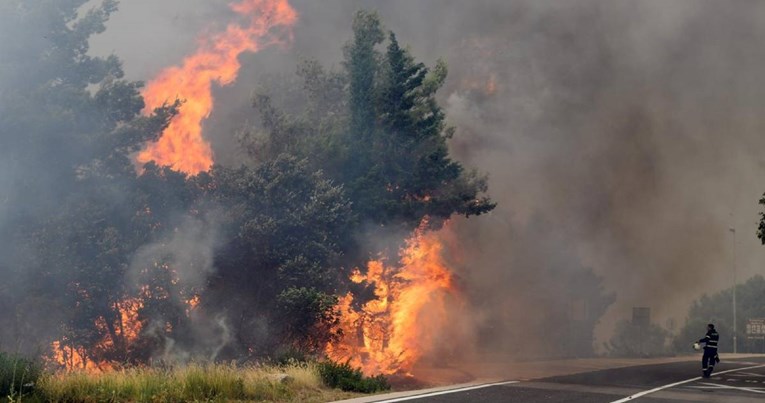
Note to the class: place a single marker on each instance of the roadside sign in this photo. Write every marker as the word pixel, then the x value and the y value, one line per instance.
pixel 755 328
pixel 641 316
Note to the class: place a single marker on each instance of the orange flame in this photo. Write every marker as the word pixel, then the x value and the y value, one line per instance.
pixel 394 331
pixel 130 324
pixel 73 358
pixel 192 303
pixel 127 328
pixel 182 145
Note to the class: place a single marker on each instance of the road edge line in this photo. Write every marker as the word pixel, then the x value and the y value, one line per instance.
pixel 444 392
pixel 671 385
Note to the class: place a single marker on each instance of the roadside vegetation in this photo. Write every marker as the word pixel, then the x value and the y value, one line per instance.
pixel 630 340
pixel 347 378
pixel 23 380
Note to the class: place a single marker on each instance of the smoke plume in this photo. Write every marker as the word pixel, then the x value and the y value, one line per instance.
pixel 621 137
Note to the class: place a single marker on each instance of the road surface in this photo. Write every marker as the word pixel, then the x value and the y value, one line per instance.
pixel 735 381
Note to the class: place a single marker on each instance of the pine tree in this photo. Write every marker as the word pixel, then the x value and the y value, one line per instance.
pixel 400 169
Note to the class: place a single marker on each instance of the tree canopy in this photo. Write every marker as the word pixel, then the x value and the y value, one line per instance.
pixel 382 134
pixel 68 122
pixel 237 262
pixel 718 309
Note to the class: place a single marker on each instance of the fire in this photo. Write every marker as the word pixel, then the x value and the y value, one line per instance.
pixel 129 325
pixel 216 60
pixel 192 304
pixel 394 331
pixel 73 358
pixel 127 328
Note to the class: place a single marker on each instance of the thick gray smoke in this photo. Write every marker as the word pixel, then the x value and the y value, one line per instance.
pixel 622 137
pixel 189 248
pixel 186 254
pixel 625 137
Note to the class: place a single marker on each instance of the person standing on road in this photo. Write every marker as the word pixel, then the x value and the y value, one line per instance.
pixel 709 358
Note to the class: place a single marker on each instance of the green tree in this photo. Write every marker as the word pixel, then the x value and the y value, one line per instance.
pixel 383 136
pixel 718 309
pixel 68 122
pixel 376 128
pixel 361 62
pixel 309 318
pixel 287 224
pixel 406 173
pixel 369 146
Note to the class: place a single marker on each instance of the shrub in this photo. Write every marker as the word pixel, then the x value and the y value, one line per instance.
pixel 631 340
pixel 290 356
pixel 17 375
pixel 349 379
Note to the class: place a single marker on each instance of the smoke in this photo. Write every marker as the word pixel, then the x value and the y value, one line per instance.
pixel 210 334
pixel 188 250
pixel 186 254
pixel 619 136
pixel 169 32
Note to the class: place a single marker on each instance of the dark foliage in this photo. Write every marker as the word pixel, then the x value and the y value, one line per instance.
pixel 385 138
pixel 18 376
pixel 68 122
pixel 631 340
pixel 265 247
pixel 349 379
pixel 718 309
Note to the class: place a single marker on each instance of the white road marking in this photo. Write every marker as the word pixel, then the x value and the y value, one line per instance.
pixel 671 385
pixel 721 386
pixel 444 392
pixel 750 374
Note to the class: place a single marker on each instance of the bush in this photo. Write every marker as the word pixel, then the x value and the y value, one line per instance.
pixel 631 340
pixel 350 379
pixel 17 375
pixel 290 356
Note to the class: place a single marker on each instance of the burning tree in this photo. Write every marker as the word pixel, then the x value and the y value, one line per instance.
pixel 186 258
pixel 69 124
pixel 377 128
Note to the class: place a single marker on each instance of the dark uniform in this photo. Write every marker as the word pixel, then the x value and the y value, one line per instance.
pixel 710 351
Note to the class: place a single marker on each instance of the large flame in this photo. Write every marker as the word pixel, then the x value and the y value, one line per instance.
pixel 127 328
pixel 392 332
pixel 216 60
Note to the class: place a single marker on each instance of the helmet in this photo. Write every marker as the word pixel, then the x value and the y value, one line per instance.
pixel 696 346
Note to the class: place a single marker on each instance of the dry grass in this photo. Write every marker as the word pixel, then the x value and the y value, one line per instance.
pixel 194 383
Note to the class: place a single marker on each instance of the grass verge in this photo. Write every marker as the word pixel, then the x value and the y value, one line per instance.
pixel 194 383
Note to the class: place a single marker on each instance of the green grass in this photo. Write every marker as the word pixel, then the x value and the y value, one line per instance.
pixel 194 383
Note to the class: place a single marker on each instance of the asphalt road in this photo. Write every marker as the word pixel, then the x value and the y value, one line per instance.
pixel 735 381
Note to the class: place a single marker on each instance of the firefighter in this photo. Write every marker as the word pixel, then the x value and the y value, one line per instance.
pixel 710 357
